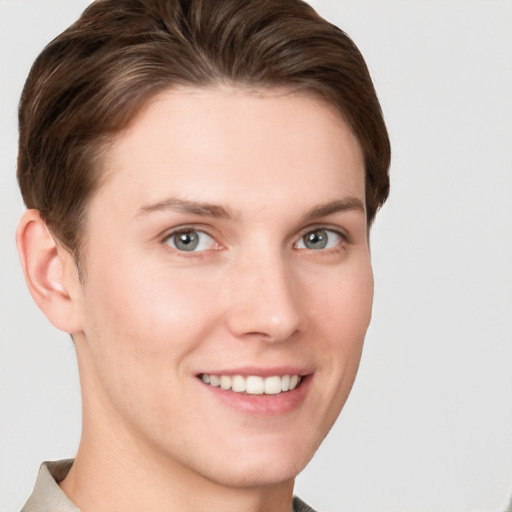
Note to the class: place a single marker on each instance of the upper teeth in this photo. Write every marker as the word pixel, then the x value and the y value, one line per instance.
pixel 253 384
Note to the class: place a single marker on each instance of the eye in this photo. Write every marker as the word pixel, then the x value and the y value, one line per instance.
pixel 190 240
pixel 319 239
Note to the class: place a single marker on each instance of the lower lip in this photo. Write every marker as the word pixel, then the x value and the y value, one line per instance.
pixel 263 405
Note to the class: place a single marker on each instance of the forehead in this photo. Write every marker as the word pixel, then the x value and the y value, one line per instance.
pixel 227 144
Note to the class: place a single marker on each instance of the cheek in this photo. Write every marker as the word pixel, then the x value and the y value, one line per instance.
pixel 344 304
pixel 163 310
pixel 140 334
pixel 340 322
pixel 145 318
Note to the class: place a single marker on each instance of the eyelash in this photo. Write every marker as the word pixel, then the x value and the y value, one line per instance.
pixel 340 245
pixel 185 230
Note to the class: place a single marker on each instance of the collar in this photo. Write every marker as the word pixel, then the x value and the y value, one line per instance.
pixel 47 495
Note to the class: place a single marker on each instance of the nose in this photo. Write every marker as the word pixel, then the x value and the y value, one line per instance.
pixel 263 300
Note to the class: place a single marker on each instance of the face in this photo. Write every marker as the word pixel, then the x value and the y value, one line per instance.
pixel 226 251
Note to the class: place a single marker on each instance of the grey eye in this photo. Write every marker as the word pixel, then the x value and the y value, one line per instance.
pixel 319 239
pixel 190 240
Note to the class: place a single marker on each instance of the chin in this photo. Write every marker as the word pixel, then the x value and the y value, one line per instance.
pixel 247 474
pixel 256 469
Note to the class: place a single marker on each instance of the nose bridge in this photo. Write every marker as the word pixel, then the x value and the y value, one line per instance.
pixel 263 299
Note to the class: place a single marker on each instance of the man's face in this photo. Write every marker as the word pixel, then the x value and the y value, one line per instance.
pixel 228 243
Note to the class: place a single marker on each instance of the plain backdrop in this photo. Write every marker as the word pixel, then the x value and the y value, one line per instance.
pixel 428 426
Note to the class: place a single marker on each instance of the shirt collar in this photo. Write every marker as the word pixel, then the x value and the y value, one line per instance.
pixel 47 495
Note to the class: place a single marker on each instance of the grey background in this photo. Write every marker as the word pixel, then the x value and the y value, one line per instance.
pixel 428 426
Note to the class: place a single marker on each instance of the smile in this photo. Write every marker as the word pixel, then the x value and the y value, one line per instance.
pixel 253 384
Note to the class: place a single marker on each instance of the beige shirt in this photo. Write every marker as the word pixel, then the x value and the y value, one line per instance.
pixel 49 497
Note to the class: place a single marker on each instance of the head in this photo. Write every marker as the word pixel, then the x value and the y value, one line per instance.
pixel 207 172
pixel 92 80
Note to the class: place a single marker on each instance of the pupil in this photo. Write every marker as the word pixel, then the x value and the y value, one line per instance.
pixel 186 241
pixel 316 239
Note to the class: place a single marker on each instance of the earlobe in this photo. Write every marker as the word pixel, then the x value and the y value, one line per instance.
pixel 50 272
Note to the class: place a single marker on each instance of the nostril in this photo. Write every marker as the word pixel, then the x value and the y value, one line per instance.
pixel 260 324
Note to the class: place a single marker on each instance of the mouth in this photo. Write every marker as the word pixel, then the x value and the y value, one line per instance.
pixel 260 392
pixel 253 384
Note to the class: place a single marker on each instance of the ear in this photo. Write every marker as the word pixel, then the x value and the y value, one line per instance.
pixel 50 273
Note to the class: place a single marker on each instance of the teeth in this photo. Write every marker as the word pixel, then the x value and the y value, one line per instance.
pixel 238 384
pixel 253 384
pixel 272 385
pixel 225 382
pixel 214 380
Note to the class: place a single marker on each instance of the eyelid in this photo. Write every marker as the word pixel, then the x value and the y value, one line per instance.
pixel 169 233
pixel 205 229
pixel 345 237
pixel 328 227
pixel 185 227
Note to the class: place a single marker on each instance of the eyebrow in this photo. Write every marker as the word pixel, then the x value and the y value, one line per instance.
pixel 339 205
pixel 219 212
pixel 185 206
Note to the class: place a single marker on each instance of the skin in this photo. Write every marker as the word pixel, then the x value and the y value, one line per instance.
pixel 149 318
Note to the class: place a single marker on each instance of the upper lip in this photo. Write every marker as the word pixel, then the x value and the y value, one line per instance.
pixel 262 372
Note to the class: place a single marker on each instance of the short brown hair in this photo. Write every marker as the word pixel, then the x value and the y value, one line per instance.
pixel 91 80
